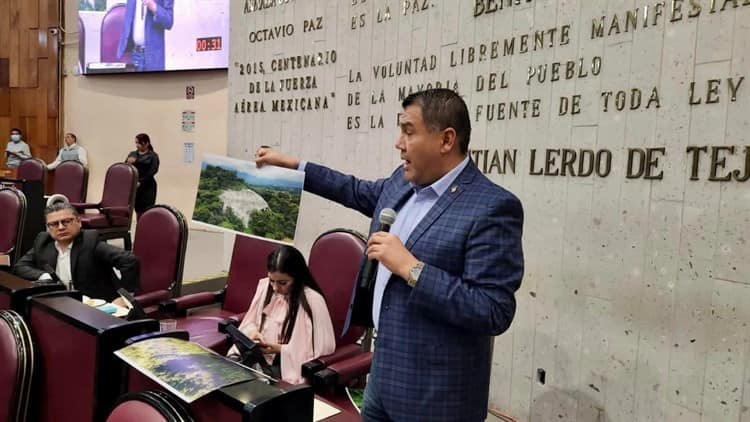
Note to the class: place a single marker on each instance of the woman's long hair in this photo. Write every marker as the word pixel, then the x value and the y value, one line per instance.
pixel 288 260
pixel 144 139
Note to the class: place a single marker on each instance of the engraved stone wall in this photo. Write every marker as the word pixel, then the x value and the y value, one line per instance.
pixel 623 127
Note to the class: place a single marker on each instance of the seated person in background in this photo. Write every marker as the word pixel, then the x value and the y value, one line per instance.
pixel 288 316
pixel 70 152
pixel 78 257
pixel 16 150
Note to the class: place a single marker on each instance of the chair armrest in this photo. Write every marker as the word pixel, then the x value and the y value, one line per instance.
pixel 344 371
pixel 344 352
pixel 152 298
pixel 180 305
pixel 118 211
pixel 84 205
pixel 238 317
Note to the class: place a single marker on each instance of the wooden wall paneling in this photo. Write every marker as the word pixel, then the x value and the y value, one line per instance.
pixel 4 128
pixel 43 38
pixel 4 103
pixel 4 29
pixel 14 43
pixel 43 16
pixel 50 71
pixel 29 80
pixel 29 76
pixel 29 13
pixel 20 106
pixel 4 72
pixel 49 13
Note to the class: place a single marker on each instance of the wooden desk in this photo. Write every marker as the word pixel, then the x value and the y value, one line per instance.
pixel 79 377
pixel 15 291
pixel 249 401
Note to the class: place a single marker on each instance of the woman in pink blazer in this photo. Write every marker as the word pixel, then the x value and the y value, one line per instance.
pixel 288 317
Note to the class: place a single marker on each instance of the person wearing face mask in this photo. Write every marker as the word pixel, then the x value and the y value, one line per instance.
pixel 70 152
pixel 288 317
pixel 147 162
pixel 17 150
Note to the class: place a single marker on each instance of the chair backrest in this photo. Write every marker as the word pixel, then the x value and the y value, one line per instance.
pixel 334 261
pixel 13 204
pixel 17 369
pixel 71 180
pixel 110 35
pixel 160 244
pixel 119 190
pixel 248 265
pixel 33 169
pixel 149 406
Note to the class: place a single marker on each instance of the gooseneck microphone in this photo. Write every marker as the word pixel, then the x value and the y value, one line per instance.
pixel 52 273
pixel 369 272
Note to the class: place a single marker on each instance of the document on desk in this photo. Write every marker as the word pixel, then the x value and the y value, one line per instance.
pixel 186 369
pixel 322 410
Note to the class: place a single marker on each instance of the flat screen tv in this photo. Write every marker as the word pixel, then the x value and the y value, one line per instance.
pixel 118 36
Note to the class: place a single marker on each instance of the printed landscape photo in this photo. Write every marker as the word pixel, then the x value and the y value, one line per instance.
pixel 236 195
pixel 186 369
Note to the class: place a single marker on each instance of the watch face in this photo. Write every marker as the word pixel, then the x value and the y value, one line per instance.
pixel 414 275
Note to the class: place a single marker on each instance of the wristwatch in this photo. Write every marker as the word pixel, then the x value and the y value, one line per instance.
pixel 414 273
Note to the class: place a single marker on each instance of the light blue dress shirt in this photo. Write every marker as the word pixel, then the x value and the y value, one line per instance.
pixel 415 208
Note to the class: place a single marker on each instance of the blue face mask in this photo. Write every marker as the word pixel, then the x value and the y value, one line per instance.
pixel 15 137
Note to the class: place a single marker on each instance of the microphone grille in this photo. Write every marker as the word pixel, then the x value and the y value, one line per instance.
pixel 387 216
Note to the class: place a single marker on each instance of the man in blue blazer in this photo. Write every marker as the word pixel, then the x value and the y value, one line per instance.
pixel 448 268
pixel 143 32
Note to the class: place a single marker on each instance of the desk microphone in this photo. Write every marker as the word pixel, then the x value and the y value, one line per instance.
pixel 370 271
pixel 52 273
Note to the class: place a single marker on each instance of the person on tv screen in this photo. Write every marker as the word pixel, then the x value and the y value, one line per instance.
pixel 70 152
pixel 147 162
pixel 288 317
pixel 17 150
pixel 143 33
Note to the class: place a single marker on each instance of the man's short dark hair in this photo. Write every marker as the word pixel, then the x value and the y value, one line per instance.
pixel 443 108
pixel 60 206
pixel 15 129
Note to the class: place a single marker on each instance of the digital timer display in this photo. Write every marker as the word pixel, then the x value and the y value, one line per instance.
pixel 208 44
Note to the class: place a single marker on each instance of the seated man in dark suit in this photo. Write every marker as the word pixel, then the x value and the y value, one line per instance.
pixel 78 257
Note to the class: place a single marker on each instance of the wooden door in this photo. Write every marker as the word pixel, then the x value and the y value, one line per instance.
pixel 29 74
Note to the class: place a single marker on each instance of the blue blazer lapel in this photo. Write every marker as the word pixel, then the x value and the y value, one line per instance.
pixel 445 200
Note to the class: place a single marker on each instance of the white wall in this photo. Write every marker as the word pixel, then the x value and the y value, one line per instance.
pixel 107 111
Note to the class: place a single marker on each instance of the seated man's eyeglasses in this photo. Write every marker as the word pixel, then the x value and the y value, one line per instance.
pixel 65 222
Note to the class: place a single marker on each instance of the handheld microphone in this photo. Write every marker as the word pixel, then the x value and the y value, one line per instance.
pixel 369 272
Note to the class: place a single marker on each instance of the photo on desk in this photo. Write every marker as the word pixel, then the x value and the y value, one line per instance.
pixel 236 195
pixel 188 370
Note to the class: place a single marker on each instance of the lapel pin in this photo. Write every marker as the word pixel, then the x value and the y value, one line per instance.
pixel 454 188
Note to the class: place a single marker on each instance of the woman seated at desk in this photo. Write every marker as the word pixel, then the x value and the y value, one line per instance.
pixel 288 316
